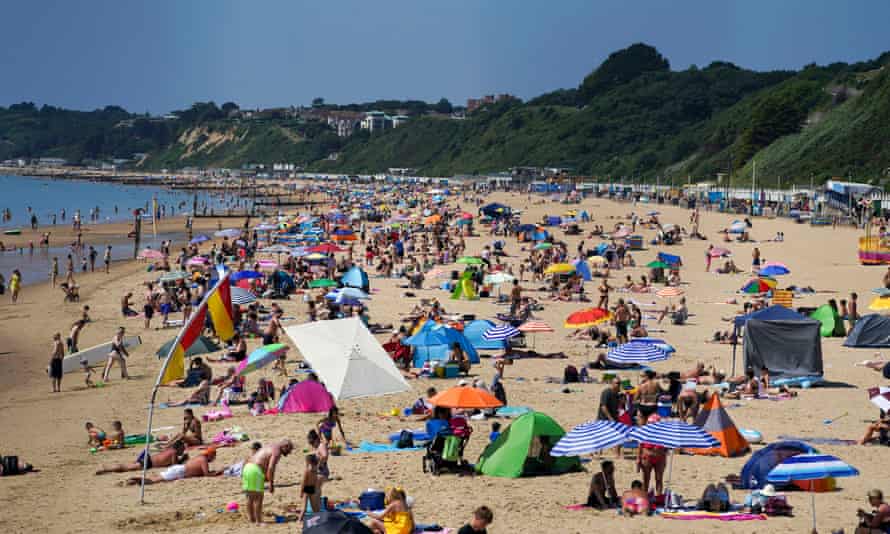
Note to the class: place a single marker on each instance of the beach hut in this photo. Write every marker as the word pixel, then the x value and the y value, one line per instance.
pixel 347 358
pixel 871 331
pixel 787 343
pixel 756 469
pixel 473 332
pixel 307 396
pixel 715 421
pixel 521 448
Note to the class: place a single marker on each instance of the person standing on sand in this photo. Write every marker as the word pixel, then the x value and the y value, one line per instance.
pixel 107 259
pixel 15 282
pixel 93 254
pixel 259 469
pixel 55 362
pixel 55 271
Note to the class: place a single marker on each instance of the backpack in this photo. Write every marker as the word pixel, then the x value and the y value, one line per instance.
pixel 570 374
pixel 406 440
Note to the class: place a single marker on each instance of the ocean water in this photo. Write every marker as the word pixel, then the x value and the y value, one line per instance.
pixel 47 197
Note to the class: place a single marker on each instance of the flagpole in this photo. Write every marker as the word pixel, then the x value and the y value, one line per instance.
pixel 154 391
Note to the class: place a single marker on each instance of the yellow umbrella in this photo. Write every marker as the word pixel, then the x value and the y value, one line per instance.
pixel 880 304
pixel 596 260
pixel 560 268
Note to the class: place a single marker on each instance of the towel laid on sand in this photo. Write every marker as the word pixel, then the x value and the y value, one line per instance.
pixel 698 514
pixel 367 446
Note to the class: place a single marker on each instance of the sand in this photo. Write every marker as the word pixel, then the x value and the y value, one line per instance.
pixel 47 429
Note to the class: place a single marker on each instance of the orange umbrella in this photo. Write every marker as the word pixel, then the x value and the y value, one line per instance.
pixel 465 397
pixel 432 219
pixel 588 317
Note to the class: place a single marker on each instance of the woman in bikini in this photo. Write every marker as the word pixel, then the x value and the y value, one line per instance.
pixel 327 425
pixel 646 398
pixel 652 458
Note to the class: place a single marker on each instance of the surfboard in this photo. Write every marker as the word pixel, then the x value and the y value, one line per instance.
pixel 94 355
pixel 12 232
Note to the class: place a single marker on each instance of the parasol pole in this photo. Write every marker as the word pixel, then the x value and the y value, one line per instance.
pixel 813 501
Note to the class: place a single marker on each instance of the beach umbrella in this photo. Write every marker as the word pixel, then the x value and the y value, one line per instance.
pixel 322 282
pixel 198 239
pixel 660 343
pixel 261 357
pixel 773 270
pixel 587 317
pixel 880 304
pixel 718 252
pixel 656 264
pixel 470 260
pixel 245 275
pixel 812 467
pixel 543 245
pixel 344 237
pixel 265 227
pixel 670 291
pixel 353 293
pixel 621 233
pixel 880 397
pixel 560 268
pixel 758 285
pixel 241 296
pixel 173 276
pixel 652 213
pixel 738 227
pixel 500 333
pixel 432 219
pixel 315 256
pixel 532 327
pixel 151 254
pixel 466 216
pixel 668 227
pixel 636 353
pixel 202 345
pixel 590 437
pixel 596 260
pixel 325 248
pixel 228 232
pixel 197 260
pixel 267 264
pixel 275 249
pixel 498 278
pixel 466 398
pixel 881 291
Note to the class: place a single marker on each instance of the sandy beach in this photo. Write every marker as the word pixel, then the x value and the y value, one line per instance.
pixel 65 496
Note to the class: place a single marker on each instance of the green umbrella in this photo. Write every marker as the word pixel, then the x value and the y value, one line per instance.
pixel 658 265
pixel 173 276
pixel 202 345
pixel 543 245
pixel 470 260
pixel 322 282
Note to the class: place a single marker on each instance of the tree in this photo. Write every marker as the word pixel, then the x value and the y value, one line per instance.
pixel 443 106
pixel 622 67
pixel 229 107
pixel 317 102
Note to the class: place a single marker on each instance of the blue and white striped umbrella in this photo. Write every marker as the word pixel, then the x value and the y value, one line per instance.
pixel 674 435
pixel 636 353
pixel 497 333
pixel 810 467
pixel 592 436
pixel 241 296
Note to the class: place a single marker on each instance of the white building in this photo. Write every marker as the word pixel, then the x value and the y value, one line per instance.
pixel 398 120
pixel 374 121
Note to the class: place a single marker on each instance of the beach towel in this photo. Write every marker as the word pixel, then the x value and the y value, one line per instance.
pixel 576 507
pixel 368 447
pixel 512 411
pixel 820 441
pixel 727 516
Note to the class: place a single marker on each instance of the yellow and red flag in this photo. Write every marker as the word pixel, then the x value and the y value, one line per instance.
pixel 219 304
pixel 175 365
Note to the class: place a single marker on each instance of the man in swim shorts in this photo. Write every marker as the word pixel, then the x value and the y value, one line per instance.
pixel 198 466
pixel 172 456
pixel 258 469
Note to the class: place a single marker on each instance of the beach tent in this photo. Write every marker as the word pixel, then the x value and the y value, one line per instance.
pixel 510 455
pixel 495 210
pixel 583 270
pixel 670 259
pixel 356 277
pixel 433 343
pixel 716 422
pixel 307 396
pixel 872 331
pixel 832 324
pixel 347 358
pixel 788 346
pixel 473 332
pixel 756 469
pixel 202 345
pixel 464 287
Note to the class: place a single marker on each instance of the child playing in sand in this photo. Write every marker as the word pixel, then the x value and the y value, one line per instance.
pixel 87 372
pixel 396 517
pixel 96 434
pixel 482 518
pixel 310 493
pixel 116 436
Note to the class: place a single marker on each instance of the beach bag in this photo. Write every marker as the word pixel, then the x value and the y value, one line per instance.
pixel 406 440
pixel 570 374
pixel 451 449
pixel 777 505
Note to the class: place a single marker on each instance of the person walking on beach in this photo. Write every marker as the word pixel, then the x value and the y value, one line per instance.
pixel 15 282
pixel 55 271
pixel 55 362
pixel 119 353
pixel 107 259
pixel 93 254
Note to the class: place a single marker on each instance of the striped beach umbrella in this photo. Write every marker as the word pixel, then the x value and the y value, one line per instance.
pixel 811 467
pixel 587 317
pixel 880 397
pixel 759 285
pixel 590 437
pixel 673 435
pixel 261 357
pixel 500 333
pixel 636 353
pixel 718 252
pixel 534 327
pixel 228 232
pixel 668 292
pixel 241 296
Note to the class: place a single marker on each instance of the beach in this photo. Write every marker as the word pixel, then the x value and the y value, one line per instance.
pixel 65 496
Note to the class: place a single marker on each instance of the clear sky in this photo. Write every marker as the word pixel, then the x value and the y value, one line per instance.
pixel 160 55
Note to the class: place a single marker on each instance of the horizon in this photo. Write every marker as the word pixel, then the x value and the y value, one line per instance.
pixel 355 53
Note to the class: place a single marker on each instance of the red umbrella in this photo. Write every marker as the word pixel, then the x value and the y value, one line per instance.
pixel 325 248
pixel 588 317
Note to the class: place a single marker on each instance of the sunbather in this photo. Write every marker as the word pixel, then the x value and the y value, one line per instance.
pixel 171 456
pixel 198 466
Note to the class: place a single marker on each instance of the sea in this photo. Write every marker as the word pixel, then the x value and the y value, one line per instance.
pixel 46 198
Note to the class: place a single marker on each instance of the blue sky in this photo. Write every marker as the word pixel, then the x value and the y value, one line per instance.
pixel 161 55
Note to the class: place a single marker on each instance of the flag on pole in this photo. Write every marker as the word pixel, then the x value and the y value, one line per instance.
pixel 219 304
pixel 175 365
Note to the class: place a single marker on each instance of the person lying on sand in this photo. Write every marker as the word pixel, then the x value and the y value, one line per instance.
pixel 166 458
pixel 198 466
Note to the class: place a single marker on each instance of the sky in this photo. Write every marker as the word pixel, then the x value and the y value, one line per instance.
pixel 160 55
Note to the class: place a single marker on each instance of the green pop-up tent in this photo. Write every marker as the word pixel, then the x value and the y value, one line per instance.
pixel 832 324
pixel 514 453
pixel 202 345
